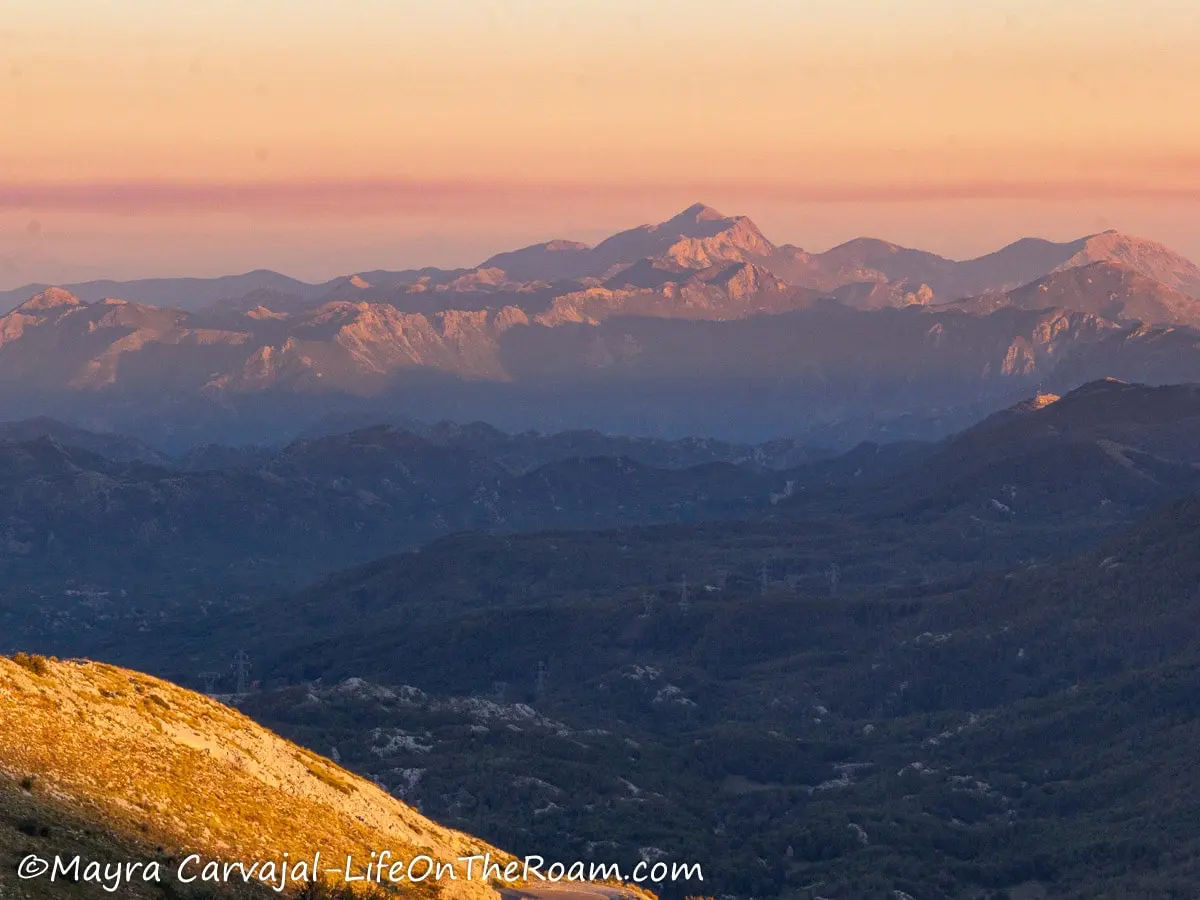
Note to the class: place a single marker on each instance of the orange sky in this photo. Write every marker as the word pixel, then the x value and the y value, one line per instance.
pixel 321 137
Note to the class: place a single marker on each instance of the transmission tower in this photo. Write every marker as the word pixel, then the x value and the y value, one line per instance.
pixel 210 680
pixel 539 681
pixel 647 604
pixel 499 690
pixel 241 672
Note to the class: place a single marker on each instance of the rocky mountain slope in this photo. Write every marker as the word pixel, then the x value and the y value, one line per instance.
pixel 56 342
pixel 152 763
pixel 129 368
pixel 1114 290
pixel 697 238
pixel 1149 258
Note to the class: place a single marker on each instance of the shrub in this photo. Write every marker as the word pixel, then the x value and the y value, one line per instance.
pixel 32 828
pixel 330 779
pixel 33 663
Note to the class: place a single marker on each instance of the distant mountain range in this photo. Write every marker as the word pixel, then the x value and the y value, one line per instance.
pixel 699 324
pixel 697 239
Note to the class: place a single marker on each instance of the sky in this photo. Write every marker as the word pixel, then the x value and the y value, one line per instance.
pixel 318 138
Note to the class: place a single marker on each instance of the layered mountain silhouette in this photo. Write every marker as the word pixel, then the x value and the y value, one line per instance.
pixel 116 447
pixel 341 499
pixel 908 637
pixel 649 319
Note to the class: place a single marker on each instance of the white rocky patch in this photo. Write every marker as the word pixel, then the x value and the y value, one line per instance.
pixel 930 637
pixel 365 690
pixel 529 781
pixel 641 673
pixel 788 490
pixel 673 694
pixel 388 741
pixel 972 720
pixel 651 855
pixel 406 781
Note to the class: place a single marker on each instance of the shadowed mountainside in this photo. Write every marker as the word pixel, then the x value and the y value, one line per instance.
pixel 966 651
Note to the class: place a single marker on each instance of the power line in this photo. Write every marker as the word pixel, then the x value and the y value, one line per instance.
pixel 241 671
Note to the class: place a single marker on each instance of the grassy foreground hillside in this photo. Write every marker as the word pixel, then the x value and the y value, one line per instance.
pixel 118 767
